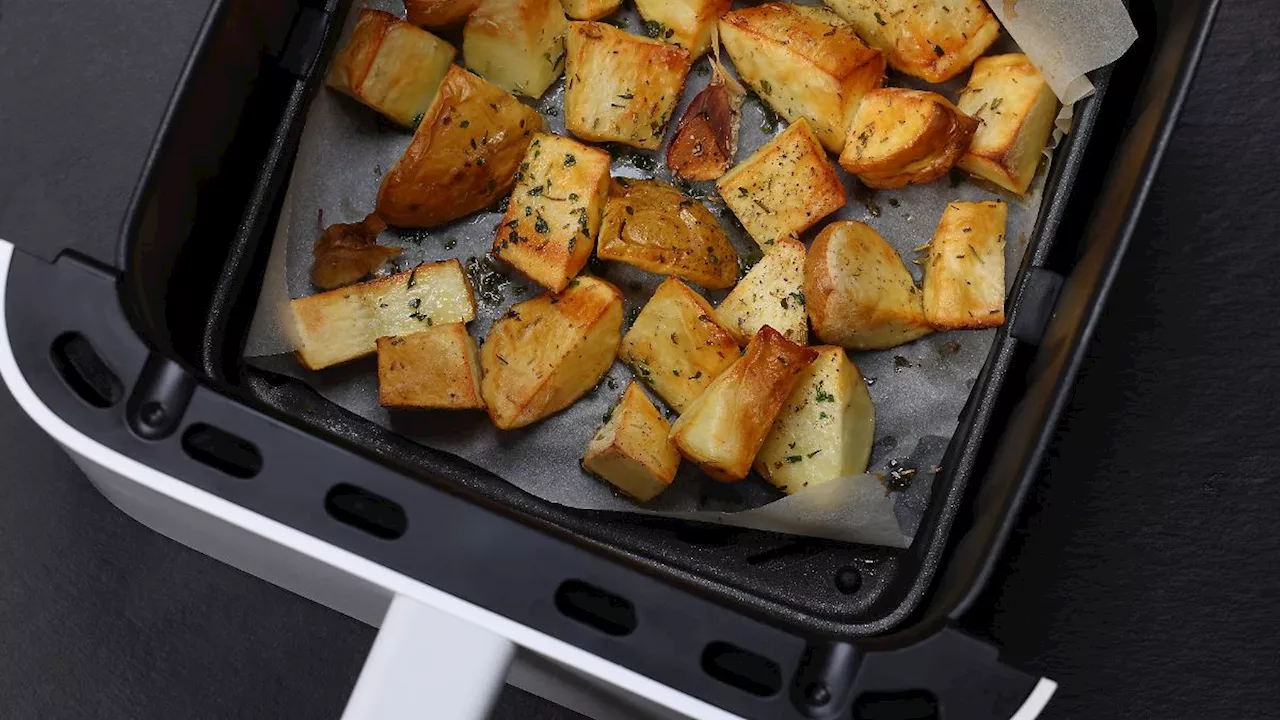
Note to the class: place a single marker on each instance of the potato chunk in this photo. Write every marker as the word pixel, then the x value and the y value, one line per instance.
pixel 901 137
pixel 1015 109
pixel 517 45
pixel 436 368
pixel 463 156
pixel 590 9
pixel 771 294
pixel 964 273
pixel 649 224
pixel 554 213
pixel 784 188
pixel 391 66
pixel 825 429
pixel 547 352
pixel 687 23
pixel 859 293
pixel 805 62
pixel 344 324
pixel 631 450
pixel 723 429
pixel 439 13
pixel 621 87
pixel 934 40
pixel 676 346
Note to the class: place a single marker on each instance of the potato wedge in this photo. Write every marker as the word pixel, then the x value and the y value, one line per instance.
pixel 554 213
pixel 631 450
pixel 859 293
pixel 723 429
pixel 621 87
pixel 436 368
pixel 391 66
pixel 655 227
pixel 1015 109
pixel 805 62
pixel 901 137
pixel 463 156
pixel 676 346
pixel 825 429
pixel 934 40
pixel 687 23
pixel 439 13
pixel 517 45
pixel 547 352
pixel 590 9
pixel 706 140
pixel 784 188
pixel 772 293
pixel 344 324
pixel 964 272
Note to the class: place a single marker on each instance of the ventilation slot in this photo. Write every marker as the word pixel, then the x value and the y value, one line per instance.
pixel 590 605
pixel 84 371
pixel 742 669
pixel 362 509
pixel 222 451
pixel 900 705
pixel 791 553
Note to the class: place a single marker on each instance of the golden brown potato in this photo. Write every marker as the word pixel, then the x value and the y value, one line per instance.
pixel 706 140
pixel 590 9
pixel 344 324
pixel 348 252
pixel 554 213
pixel 784 188
pixel 723 429
pixel 770 294
pixel 631 450
pixel 655 227
pixel 934 40
pixel 463 156
pixel 391 66
pixel 858 292
pixel 517 45
pixel 436 368
pixel 964 272
pixel 621 87
pixel 901 136
pixel 805 62
pixel 547 352
pixel 1015 109
pixel 825 429
pixel 676 346
pixel 687 23
pixel 439 13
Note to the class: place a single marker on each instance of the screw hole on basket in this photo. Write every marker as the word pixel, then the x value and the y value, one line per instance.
pixel 221 450
pixel 743 669
pixel 848 580
pixel 590 605
pixel 366 511
pixel 898 705
pixel 84 371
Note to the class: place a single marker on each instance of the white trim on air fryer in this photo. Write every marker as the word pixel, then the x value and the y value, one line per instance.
pixel 1037 700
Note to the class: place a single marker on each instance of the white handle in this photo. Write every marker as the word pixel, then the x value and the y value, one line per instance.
pixel 426 663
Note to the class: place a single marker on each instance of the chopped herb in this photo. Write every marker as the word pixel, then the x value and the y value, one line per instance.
pixel 822 416
pixel 742 192
pixel 413 277
pixel 696 375
pixel 675 372
pixel 573 197
pixel 653 28
pixel 815 452
pixel 626 96
pixel 821 395
pixel 900 362
pixel 613 384
pixel 464 124
pixel 880 20
pixel 417 119
pixel 450 244
pixel 540 225
pixel 798 297
pixel 535 191
pixel 702 70
pixel 794 458
pixel 629 210
pixel 938 51
pixel 766 87
pixel 996 103
pixel 415 303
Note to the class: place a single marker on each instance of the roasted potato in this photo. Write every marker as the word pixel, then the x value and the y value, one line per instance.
pixel 858 292
pixel 706 140
pixel 554 213
pixel 590 9
pixel 649 224
pixel 1015 109
pixel 805 62
pixel 676 346
pixel 463 156
pixel 934 40
pixel 825 429
pixel 687 23
pixel 517 45
pixel 621 87
pixel 344 324
pixel 439 13
pixel 784 188
pixel 723 429
pixel 391 66
pixel 436 368
pixel 901 136
pixel 631 450
pixel 770 294
pixel 547 352
pixel 964 271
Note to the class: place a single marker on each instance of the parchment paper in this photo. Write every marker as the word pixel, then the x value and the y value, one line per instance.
pixel 918 389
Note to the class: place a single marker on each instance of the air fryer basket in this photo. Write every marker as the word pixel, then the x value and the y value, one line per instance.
pixel 145 357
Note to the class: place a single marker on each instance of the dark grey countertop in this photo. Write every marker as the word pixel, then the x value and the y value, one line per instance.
pixel 1141 577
